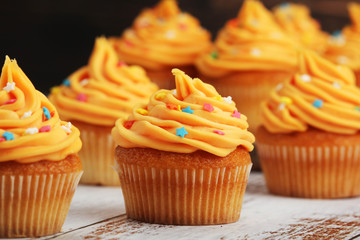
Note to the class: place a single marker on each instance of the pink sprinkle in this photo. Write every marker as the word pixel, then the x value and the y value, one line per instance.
pixel 121 64
pixel 208 107
pixel 182 26
pixel 129 44
pixel 2 139
pixel 45 128
pixel 236 114
pixel 219 132
pixel 10 101
pixel 81 97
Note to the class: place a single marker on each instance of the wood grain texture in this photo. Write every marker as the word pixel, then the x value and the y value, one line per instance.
pixel 99 213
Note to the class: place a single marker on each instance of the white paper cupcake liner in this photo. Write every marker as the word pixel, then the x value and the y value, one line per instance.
pixel 184 196
pixel 35 205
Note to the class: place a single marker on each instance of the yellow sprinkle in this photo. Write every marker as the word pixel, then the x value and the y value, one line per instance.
pixel 55 90
pixel 286 100
pixel 160 95
pixel 179 107
pixel 219 98
pixel 142 111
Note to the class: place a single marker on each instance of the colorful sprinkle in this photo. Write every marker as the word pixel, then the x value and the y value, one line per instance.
pixel 81 97
pixel 2 139
pixel 214 55
pixel 357 108
pixel 128 124
pixel 8 136
pixel 181 132
pixel 26 114
pixel 236 114
pixel 9 87
pixel 178 107
pixel 284 5
pixel 336 85
pixel 46 113
pixel 318 103
pixel 66 82
pixel 11 101
pixel 121 64
pixel 219 98
pixel 219 132
pixel 160 95
pixel 55 90
pixel 255 52
pixel 31 131
pixel 305 78
pixel 336 33
pixel 142 111
pixel 45 128
pixel 188 110
pixel 286 100
pixel 67 127
pixel 171 106
pixel 84 82
pixel 182 26
pixel 52 113
pixel 208 107
pixel 228 99
pixel 129 44
pixel 342 59
pixel 171 34
pixel 233 23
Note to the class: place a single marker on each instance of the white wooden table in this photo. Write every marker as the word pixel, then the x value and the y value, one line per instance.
pixel 99 213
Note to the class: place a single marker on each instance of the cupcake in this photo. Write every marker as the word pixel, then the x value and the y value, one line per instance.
pixel 295 20
pixel 39 165
pixel 251 55
pixel 343 47
pixel 93 98
pixel 184 157
pixel 309 142
pixel 161 38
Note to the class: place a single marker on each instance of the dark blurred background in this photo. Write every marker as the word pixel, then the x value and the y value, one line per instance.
pixel 51 39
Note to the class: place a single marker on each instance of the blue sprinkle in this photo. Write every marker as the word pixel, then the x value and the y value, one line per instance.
pixel 336 33
pixel 181 132
pixel 318 103
pixel 46 113
pixel 284 5
pixel 188 110
pixel 66 82
pixel 8 136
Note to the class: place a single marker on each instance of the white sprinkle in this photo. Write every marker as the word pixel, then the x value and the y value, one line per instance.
pixel 143 22
pixel 338 40
pixel 254 22
pixel 255 52
pixel 279 87
pixel 170 34
pixel 342 59
pixel 182 17
pixel 336 85
pixel 228 99
pixel 281 106
pixel 9 87
pixel 305 78
pixel 84 82
pixel 31 130
pixel 67 127
pixel 26 114
pixel 174 92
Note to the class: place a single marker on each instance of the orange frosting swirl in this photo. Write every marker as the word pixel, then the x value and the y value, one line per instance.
pixel 163 36
pixel 322 95
pixel 207 121
pixel 343 47
pixel 30 128
pixel 295 19
pixel 252 41
pixel 104 90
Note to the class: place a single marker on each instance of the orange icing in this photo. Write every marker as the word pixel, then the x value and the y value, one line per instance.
pixel 26 115
pixel 343 47
pixel 155 125
pixel 295 19
pixel 321 95
pixel 163 36
pixel 252 41
pixel 104 90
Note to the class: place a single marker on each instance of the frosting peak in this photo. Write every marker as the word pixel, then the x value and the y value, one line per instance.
pixel 321 95
pixel 102 91
pixel 30 129
pixel 192 117
pixel 166 9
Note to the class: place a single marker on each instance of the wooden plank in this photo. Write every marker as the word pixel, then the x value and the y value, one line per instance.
pixel 264 216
